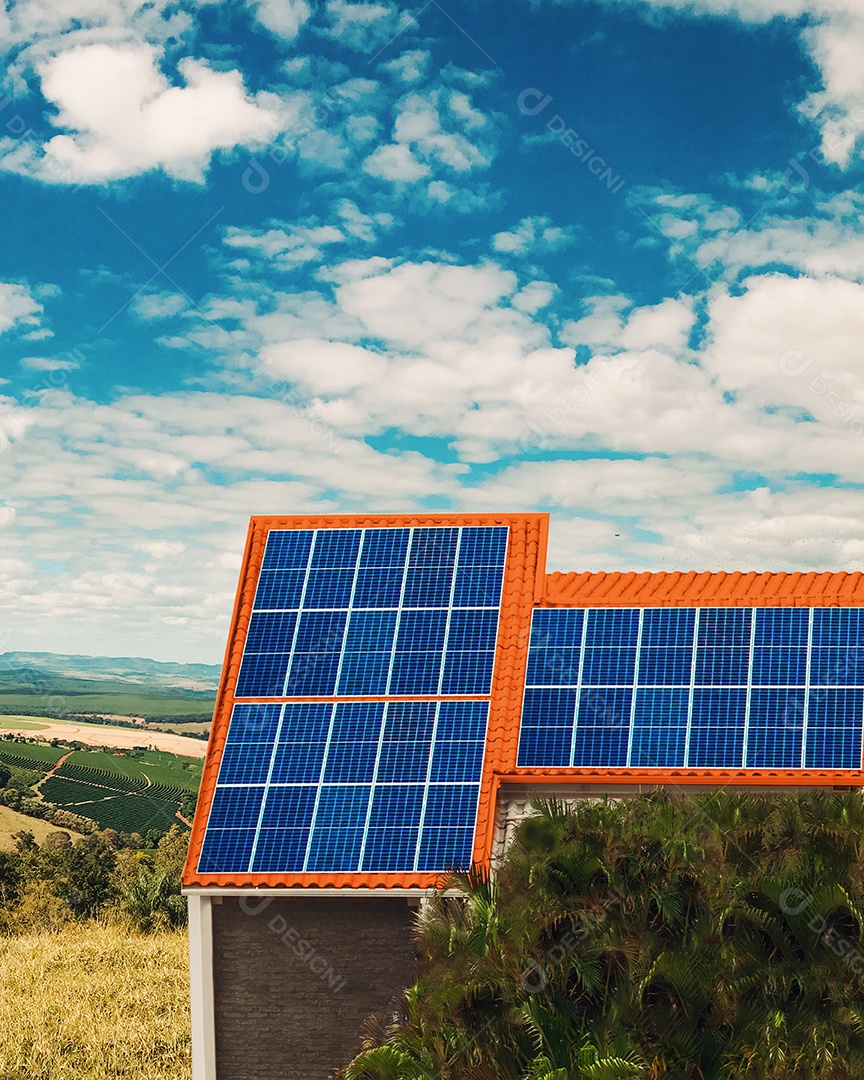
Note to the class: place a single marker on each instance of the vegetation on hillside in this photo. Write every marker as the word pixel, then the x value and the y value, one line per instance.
pixel 137 791
pixel 100 876
pixel 713 937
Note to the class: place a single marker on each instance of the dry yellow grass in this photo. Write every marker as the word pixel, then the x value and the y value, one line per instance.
pixel 93 1002
pixel 11 822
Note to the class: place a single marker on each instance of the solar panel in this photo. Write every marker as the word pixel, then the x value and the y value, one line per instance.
pixel 347 787
pixel 380 612
pixel 757 688
pixel 342 785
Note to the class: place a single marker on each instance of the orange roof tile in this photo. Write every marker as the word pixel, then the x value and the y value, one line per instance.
pixel 692 589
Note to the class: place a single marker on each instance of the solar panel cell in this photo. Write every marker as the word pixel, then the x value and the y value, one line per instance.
pixel 665 667
pixel 609 667
pixel 335 548
pixel 385 548
pixel 226 851
pixel 262 675
pixel 717 728
pixel 329 589
pixel 553 667
pixel 659 727
pixel 456 762
pixel 603 727
pixel 775 728
pixel 447 849
pixel 236 807
pixel 279 590
pixel 389 849
pixel 467 672
pixel 477 586
pixel 483 546
pixel 287 549
pixel 280 851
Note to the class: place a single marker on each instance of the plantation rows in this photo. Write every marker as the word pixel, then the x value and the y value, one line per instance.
pixel 126 811
pixel 31 757
pixel 158 766
pixel 131 792
pixel 65 792
pixel 110 779
pixel 130 813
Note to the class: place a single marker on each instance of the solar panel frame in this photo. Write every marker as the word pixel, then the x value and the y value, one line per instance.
pixel 340 650
pixel 338 819
pixel 425 563
pixel 764 655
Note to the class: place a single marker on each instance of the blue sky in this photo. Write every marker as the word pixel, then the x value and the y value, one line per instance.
pixel 601 259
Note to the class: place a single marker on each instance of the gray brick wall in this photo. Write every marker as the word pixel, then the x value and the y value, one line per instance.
pixel 295 981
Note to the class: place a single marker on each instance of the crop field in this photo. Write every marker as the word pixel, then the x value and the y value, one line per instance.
pixel 150 706
pixel 30 755
pixel 132 791
pixel 94 1002
pixel 155 766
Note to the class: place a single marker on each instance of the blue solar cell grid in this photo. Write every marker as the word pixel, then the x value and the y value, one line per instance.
pixel 347 787
pixel 757 688
pixel 375 612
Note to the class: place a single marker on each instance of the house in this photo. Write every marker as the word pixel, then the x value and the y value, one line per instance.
pixel 396 691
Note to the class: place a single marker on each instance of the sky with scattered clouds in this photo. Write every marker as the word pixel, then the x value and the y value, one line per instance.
pixel 603 259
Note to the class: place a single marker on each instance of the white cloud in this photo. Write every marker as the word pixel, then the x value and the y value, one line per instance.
pixel 704 233
pixel 159 305
pixel 532 234
pixel 422 142
pixel 201 463
pixel 287 248
pixel 414 304
pixel 410 66
pixel 793 343
pixel 395 162
pixel 283 17
pixel 606 327
pixel 366 27
pixel 46 363
pixel 125 118
pixel 18 306
pixel 418 124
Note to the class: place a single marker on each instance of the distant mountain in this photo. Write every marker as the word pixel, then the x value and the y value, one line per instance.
pixel 133 671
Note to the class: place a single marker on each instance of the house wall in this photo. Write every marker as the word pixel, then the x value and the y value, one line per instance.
pixel 294 980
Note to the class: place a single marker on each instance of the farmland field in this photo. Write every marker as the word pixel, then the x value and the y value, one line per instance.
pixel 133 703
pixel 16 723
pixel 38 756
pixel 106 735
pixel 94 1002
pixel 132 791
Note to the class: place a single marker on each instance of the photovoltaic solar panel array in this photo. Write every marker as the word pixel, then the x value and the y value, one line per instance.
pixel 358 728
pixel 760 688
pixel 344 785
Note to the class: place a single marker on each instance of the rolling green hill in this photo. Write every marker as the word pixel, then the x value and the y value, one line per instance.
pixel 49 684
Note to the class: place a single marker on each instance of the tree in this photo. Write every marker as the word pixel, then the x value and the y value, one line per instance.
pixel 82 874
pixel 695 938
